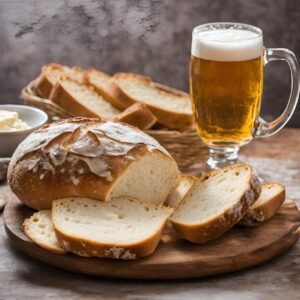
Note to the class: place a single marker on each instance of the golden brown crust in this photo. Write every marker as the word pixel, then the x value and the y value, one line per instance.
pixel 63 98
pixel 214 228
pixel 172 120
pixel 37 178
pixel 137 115
pixel 265 211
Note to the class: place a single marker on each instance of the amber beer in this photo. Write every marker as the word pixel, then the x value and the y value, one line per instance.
pixel 226 82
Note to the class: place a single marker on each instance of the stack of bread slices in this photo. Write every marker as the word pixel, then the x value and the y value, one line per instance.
pixel 124 97
pixel 107 189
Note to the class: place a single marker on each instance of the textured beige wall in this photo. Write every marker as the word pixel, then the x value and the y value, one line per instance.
pixel 148 37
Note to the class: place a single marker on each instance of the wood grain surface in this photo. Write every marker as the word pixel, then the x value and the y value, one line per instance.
pixel 276 158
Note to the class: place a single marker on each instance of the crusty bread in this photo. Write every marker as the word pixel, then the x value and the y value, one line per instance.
pixel 215 203
pixel 40 230
pixel 137 115
pixel 88 158
pixel 81 100
pixel 121 229
pixel 51 73
pixel 172 108
pixel 265 207
pixel 183 185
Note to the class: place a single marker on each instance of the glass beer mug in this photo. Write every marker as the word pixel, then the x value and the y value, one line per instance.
pixel 226 84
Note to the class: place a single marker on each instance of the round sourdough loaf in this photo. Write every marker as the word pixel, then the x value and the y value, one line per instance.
pixel 84 157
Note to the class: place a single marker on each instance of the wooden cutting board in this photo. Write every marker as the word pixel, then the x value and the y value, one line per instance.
pixel 174 258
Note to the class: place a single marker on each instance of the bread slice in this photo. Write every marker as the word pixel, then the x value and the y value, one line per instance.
pixel 100 81
pixel 215 203
pixel 183 185
pixel 171 107
pixel 265 207
pixel 50 75
pixel 81 100
pixel 137 115
pixel 39 229
pixel 121 229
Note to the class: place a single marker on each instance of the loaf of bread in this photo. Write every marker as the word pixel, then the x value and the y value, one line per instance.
pixel 172 108
pixel 215 203
pixel 50 75
pixel 83 157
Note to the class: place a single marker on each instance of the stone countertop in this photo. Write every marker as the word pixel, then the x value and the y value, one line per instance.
pixel 276 158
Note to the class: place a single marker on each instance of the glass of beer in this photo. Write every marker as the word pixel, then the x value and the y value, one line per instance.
pixel 226 84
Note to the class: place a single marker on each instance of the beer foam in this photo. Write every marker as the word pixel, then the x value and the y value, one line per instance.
pixel 227 45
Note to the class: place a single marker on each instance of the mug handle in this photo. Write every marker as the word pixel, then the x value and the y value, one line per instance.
pixel 264 128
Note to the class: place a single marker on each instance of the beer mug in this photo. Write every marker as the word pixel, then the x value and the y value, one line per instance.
pixel 226 84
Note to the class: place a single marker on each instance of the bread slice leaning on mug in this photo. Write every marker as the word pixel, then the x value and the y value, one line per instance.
pixel 83 157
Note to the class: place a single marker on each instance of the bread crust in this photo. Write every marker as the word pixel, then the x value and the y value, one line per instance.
pixel 137 115
pixel 88 248
pixel 214 228
pixel 265 211
pixel 171 119
pixel 37 179
pixel 63 98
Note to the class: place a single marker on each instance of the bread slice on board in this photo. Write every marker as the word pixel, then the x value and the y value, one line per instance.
pixel 121 229
pixel 171 107
pixel 40 230
pixel 266 206
pixel 215 203
pixel 50 75
pixel 137 115
pixel 81 100
pixel 183 185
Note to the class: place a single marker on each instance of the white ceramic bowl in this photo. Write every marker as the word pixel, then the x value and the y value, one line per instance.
pixel 34 117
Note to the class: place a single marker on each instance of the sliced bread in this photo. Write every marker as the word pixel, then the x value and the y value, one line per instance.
pixel 40 230
pixel 183 185
pixel 265 207
pixel 121 229
pixel 81 100
pixel 100 81
pixel 50 75
pixel 215 203
pixel 137 115
pixel 171 107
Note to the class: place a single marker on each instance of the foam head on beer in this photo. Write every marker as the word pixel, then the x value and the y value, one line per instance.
pixel 227 44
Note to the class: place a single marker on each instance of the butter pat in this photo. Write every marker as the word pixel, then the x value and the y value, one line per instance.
pixel 10 121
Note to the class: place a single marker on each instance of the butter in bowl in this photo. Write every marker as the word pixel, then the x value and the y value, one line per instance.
pixel 16 123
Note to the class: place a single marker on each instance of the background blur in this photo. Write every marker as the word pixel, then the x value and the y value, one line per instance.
pixel 147 37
